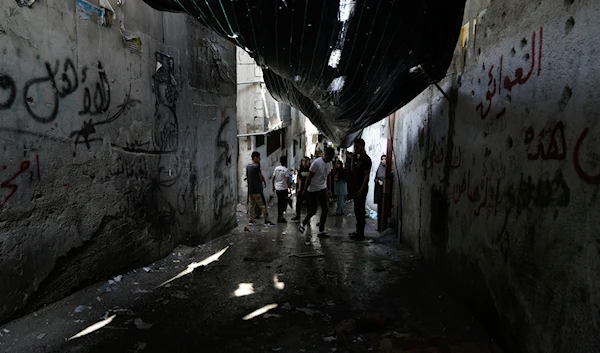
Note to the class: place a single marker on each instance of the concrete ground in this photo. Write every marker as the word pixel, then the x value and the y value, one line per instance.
pixel 358 297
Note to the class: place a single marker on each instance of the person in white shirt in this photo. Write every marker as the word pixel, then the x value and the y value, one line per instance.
pixel 281 184
pixel 318 192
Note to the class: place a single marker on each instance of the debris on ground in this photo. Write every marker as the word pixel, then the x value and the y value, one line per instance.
pixel 82 308
pixel 366 323
pixel 140 346
pixel 140 324
pixel 118 278
pixel 307 311
pixel 40 336
pixel 267 316
pixel 105 288
pixel 308 254
pixel 147 269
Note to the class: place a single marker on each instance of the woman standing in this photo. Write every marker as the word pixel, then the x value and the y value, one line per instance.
pixel 378 194
pixel 303 172
pixel 340 187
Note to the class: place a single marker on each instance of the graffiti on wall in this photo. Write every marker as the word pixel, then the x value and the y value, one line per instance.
pixel 222 194
pixel 9 174
pixel 552 145
pixel 497 81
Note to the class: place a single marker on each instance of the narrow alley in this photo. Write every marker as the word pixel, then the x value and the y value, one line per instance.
pixel 362 296
pixel 140 139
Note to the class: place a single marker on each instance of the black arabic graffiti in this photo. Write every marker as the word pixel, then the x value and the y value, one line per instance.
pixel 88 127
pixel 7 83
pixel 221 193
pixel 101 98
pixel 68 87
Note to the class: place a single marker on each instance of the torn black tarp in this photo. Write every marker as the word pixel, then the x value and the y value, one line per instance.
pixel 345 64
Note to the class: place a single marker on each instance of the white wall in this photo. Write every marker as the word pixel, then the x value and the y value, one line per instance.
pixel 375 137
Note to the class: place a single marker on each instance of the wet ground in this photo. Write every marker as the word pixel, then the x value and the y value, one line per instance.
pixel 332 295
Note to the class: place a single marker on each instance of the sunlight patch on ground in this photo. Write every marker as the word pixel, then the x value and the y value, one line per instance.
pixel 191 267
pixel 277 284
pixel 94 327
pixel 260 311
pixel 244 289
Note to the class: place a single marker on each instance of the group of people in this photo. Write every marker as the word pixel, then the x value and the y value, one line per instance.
pixel 316 182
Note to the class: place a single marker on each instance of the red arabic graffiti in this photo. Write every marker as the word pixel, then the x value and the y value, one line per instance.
pixel 556 148
pixel 585 176
pixel 495 84
pixel 477 195
pixel 9 183
pixel 438 155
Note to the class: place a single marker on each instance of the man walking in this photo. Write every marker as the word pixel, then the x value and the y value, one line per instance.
pixel 316 185
pixel 281 184
pixel 256 182
pixel 361 169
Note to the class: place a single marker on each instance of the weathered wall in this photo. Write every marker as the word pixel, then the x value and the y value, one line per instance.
pixel 109 157
pixel 500 185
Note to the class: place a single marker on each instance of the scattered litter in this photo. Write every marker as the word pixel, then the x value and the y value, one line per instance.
pixel 105 288
pixel 147 269
pixel 276 349
pixel 81 308
pixel 141 291
pixel 350 215
pixel 110 281
pixel 307 311
pixel 267 316
pixel 140 346
pixel 40 336
pixel 139 323
pixel 78 321
pixel 373 215
pixel 6 331
pixel 99 299
pixel 167 285
pixel 246 229
pixel 307 243
pixel 179 295
pixel 308 254
pixel 118 278
pixel 329 339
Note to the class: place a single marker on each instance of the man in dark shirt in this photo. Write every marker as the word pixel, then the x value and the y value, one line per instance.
pixel 361 169
pixel 256 182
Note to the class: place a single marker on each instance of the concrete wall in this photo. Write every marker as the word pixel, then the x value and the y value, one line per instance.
pixel 500 185
pixel 106 161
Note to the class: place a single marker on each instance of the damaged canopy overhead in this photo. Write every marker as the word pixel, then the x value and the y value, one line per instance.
pixel 345 64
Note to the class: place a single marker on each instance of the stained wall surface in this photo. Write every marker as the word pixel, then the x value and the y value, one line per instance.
pixel 500 183
pixel 116 144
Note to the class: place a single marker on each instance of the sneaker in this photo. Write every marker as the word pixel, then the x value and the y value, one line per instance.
pixel 281 220
pixel 252 223
pixel 322 234
pixel 269 223
pixel 301 228
pixel 295 219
